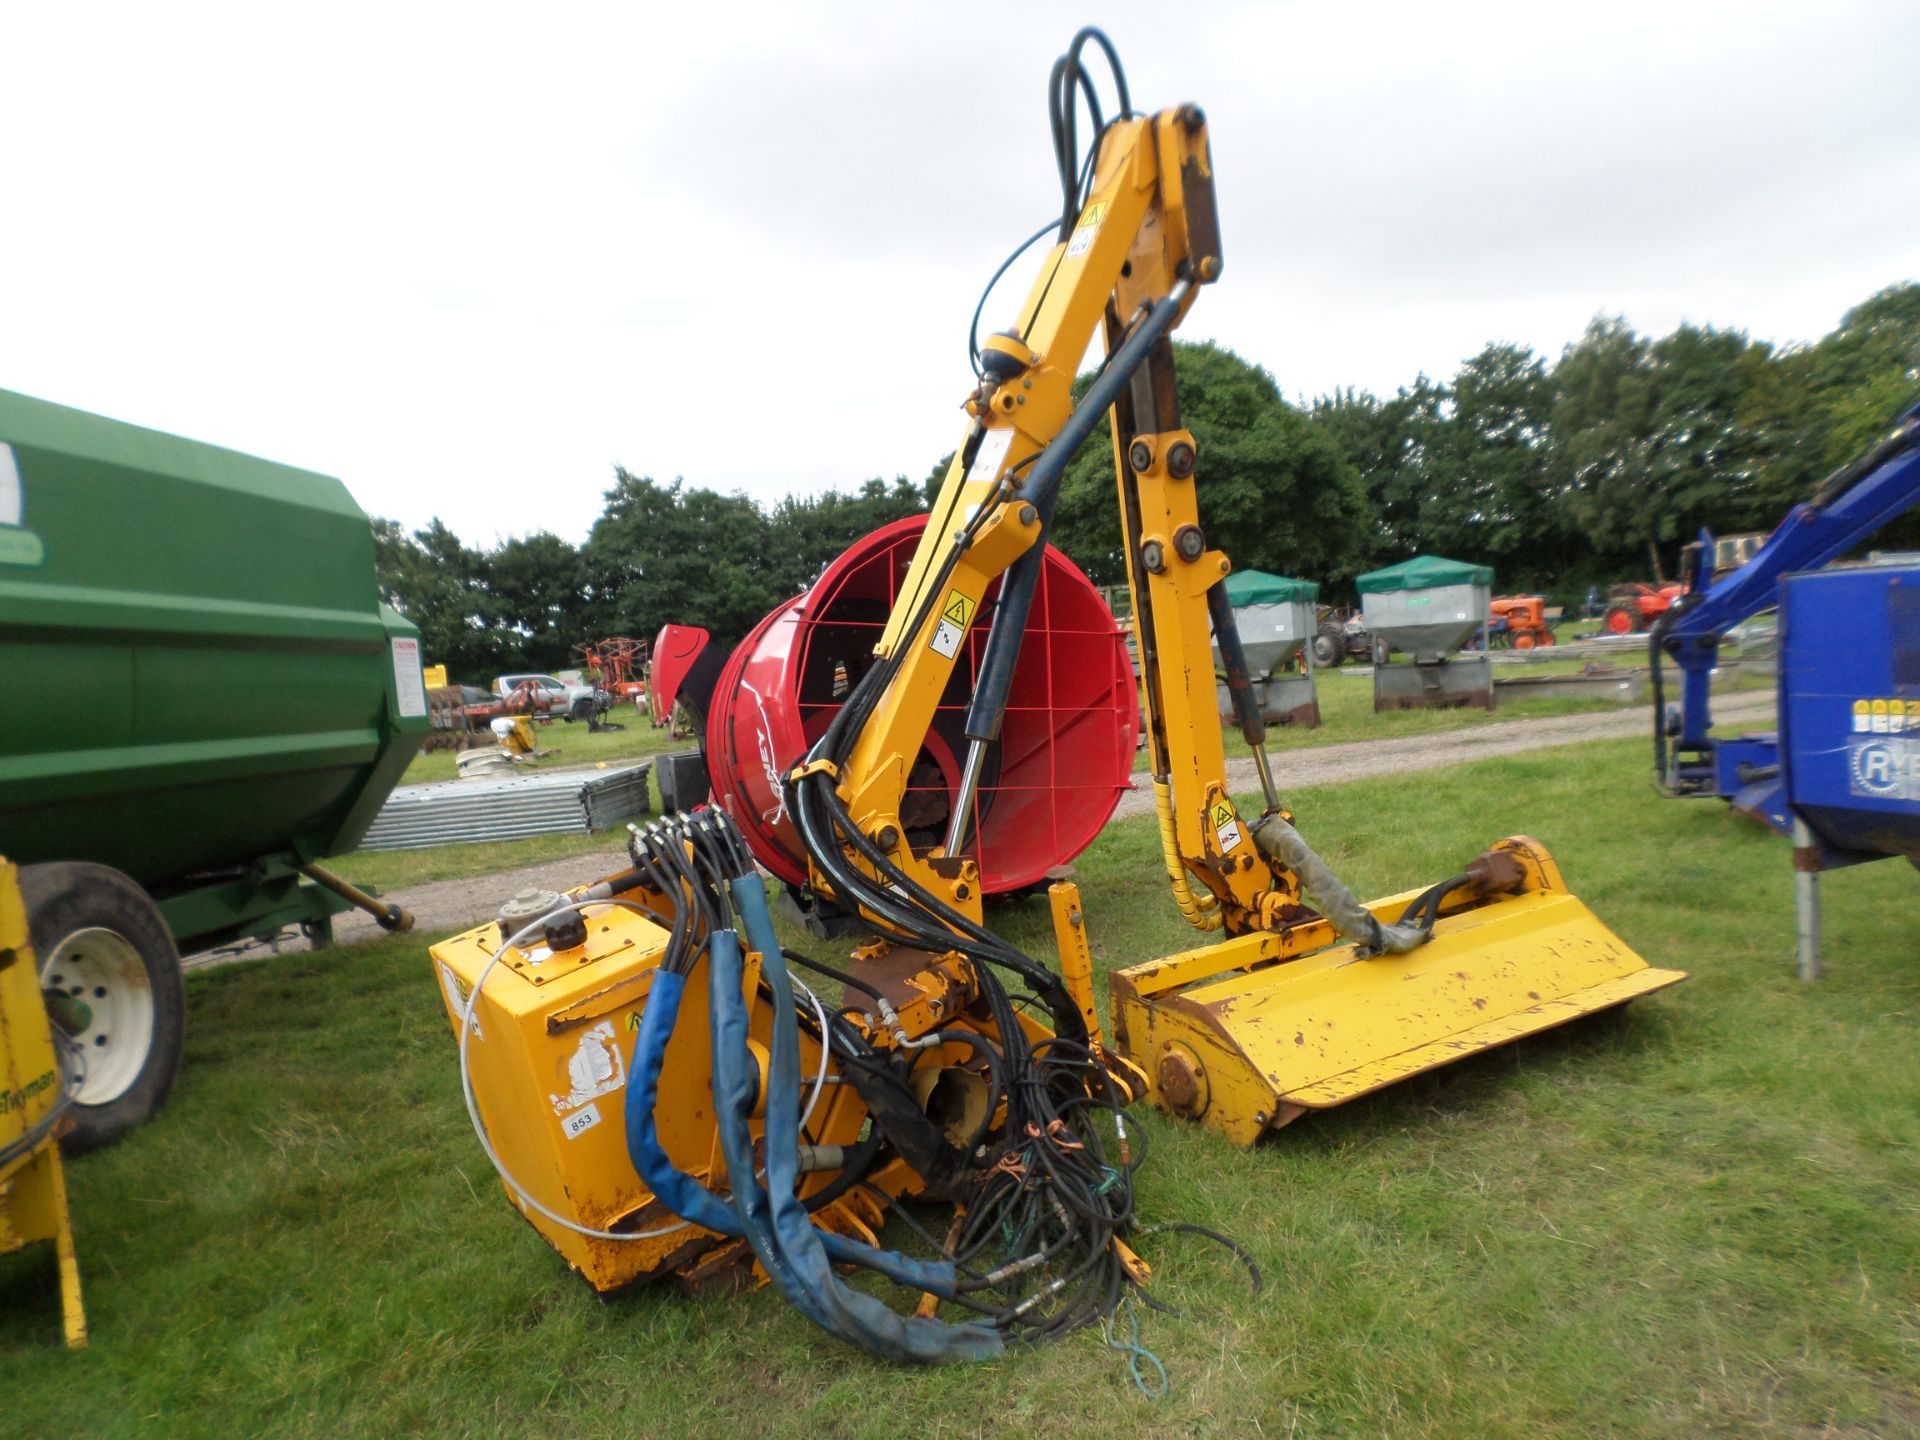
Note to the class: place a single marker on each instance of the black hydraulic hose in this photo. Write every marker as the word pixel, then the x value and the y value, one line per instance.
pixel 1226 634
pixel 973 330
pixel 994 680
pixel 1044 479
pixel 1424 910
pixel 849 981
pixel 1656 637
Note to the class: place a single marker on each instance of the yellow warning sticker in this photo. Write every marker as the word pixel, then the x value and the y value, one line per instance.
pixel 951 628
pixel 1226 825
pixel 1088 227
pixel 1886 715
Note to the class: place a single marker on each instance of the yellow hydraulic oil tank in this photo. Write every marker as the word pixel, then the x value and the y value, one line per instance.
pixel 33 1189
pixel 552 1037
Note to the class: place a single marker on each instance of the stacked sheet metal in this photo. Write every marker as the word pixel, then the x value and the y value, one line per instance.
pixel 511 807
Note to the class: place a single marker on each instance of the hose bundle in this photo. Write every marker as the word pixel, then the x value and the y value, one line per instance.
pixel 1033 1253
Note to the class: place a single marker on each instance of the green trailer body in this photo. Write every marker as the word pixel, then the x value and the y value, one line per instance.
pixel 203 688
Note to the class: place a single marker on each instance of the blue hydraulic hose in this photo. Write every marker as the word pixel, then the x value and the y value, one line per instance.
pixel 796 1255
pixel 736 1080
pixel 864 1320
pixel 678 1191
pixel 687 1197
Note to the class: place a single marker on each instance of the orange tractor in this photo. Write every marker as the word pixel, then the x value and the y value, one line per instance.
pixel 1520 621
pixel 1636 605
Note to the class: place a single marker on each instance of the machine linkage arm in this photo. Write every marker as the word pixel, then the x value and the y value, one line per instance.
pixel 1142 242
pixel 1851 505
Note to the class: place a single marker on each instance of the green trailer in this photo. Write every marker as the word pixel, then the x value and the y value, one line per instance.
pixel 204 698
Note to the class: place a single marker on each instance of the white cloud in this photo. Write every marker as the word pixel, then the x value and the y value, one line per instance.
pixel 468 257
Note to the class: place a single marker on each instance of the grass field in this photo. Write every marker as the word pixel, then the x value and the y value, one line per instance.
pixel 1695 1217
pixel 1346 707
pixel 573 742
pixel 387 870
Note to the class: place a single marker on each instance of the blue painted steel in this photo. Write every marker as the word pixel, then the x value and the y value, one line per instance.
pixel 1850 707
pixel 1852 505
pixel 1747 772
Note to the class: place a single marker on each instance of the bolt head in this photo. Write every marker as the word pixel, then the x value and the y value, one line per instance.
pixel 1140 455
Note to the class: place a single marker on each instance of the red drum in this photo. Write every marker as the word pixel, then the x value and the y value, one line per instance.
pixel 1066 745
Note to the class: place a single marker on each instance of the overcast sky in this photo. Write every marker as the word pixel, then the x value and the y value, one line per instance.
pixel 468 257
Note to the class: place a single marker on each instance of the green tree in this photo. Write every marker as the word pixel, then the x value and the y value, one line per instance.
pixel 1598 460
pixel 440 585
pixel 1276 493
pixel 664 553
pixel 812 530
pixel 1485 494
pixel 537 589
pixel 1385 440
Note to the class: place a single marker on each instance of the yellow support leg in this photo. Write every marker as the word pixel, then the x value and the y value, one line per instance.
pixel 33 1189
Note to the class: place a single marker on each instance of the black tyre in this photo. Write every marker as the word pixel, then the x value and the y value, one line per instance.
pixel 1329 646
pixel 100 940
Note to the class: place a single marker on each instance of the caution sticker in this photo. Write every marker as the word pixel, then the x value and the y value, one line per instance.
pixel 1227 826
pixel 955 616
pixel 1088 227
pixel 1886 715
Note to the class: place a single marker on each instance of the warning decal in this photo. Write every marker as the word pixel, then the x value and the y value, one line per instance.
pixel 955 616
pixel 1088 227
pixel 1886 715
pixel 1226 825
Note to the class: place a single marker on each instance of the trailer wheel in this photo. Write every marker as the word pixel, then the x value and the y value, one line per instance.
pixel 1329 646
pixel 101 942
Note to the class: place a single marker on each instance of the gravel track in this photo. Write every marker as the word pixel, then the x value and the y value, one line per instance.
pixel 1361 759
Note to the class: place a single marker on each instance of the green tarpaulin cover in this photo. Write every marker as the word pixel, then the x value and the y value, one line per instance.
pixel 1423 572
pixel 1256 587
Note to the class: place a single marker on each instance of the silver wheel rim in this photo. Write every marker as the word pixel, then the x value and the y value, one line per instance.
pixel 103 970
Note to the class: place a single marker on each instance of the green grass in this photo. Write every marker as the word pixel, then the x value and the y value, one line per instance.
pixel 388 870
pixel 391 869
pixel 572 742
pixel 1695 1217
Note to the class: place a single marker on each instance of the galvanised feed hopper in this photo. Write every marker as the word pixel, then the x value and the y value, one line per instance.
pixel 1427 608
pixel 1275 617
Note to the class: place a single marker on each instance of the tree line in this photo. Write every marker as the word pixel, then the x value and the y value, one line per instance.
pixel 658 553
pixel 1589 468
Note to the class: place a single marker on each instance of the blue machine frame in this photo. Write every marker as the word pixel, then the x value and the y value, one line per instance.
pixel 1851 504
pixel 1849 725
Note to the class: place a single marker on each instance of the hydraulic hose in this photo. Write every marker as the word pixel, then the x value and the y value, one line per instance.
pixel 1202 910
pixel 854 1316
pixel 1283 844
